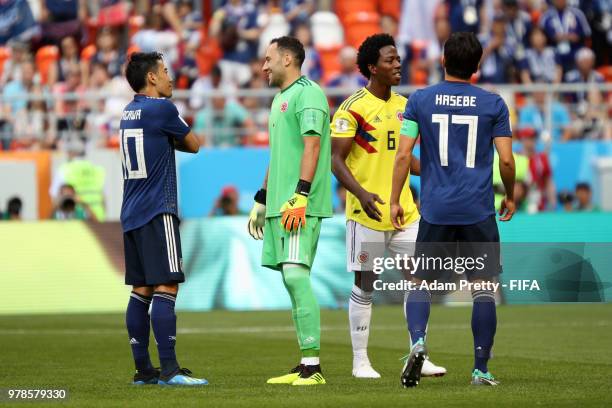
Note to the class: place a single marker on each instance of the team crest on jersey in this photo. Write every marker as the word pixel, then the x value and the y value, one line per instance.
pixel 363 257
pixel 284 106
pixel 400 116
pixel 342 125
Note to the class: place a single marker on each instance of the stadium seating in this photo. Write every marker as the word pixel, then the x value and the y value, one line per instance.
pixel 5 53
pixel 346 7
pixel 326 30
pixel 45 57
pixel 360 25
pixel 329 61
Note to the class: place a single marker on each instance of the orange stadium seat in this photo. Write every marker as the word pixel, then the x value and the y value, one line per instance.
pixel 358 26
pixel 5 53
pixel 346 7
pixel 606 71
pixel 88 52
pixel 330 62
pixel 45 57
pixel 390 8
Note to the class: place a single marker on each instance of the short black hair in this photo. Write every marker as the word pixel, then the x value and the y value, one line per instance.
pixel 462 54
pixel 583 186
pixel 14 206
pixel 293 45
pixel 139 65
pixel 369 51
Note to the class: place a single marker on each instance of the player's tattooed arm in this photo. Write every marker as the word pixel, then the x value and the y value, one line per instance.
pixel 190 144
pixel 403 158
pixel 341 147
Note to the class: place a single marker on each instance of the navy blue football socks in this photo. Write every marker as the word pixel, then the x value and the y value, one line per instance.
pixel 163 320
pixel 484 325
pixel 138 326
pixel 417 306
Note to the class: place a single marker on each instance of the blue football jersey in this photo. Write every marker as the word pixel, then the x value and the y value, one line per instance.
pixel 457 123
pixel 147 132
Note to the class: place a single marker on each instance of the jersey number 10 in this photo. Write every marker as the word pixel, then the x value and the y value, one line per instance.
pixel 472 123
pixel 141 169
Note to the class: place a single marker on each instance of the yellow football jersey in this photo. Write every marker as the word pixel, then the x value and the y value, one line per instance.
pixel 374 125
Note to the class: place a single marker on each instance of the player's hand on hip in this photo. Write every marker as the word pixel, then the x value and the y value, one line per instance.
pixel 397 216
pixel 294 212
pixel 507 209
pixel 368 203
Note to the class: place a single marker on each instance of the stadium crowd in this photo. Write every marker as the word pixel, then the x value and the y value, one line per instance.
pixel 61 62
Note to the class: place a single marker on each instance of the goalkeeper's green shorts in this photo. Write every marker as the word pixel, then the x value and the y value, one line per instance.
pixel 297 247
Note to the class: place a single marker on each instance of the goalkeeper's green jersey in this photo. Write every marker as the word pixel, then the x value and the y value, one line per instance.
pixel 299 110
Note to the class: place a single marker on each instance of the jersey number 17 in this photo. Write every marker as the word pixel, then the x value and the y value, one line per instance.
pixel 472 123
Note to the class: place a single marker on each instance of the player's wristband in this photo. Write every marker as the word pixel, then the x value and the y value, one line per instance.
pixel 303 187
pixel 260 196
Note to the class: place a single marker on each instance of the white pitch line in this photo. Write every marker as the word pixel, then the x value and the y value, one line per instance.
pixel 290 329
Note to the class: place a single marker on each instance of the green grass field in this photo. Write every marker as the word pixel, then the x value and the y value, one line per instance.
pixel 553 355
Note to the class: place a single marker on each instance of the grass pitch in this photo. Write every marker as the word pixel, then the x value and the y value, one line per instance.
pixel 553 355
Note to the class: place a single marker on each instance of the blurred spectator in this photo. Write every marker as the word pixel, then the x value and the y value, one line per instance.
pixel 70 112
pixel 541 63
pixel 465 15
pixel 533 116
pixel 11 70
pixel 86 178
pixel 61 18
pixel 599 16
pixel 584 73
pixel 100 117
pixel 349 76
pixel 69 55
pixel 497 66
pixel 521 165
pixel 17 21
pixel 518 24
pixel 415 27
pixel 224 122
pixel 592 121
pixel 235 26
pixel 388 25
pixel 541 191
pixel 152 37
pixel 584 195
pixel 312 63
pixel 108 53
pixel 258 106
pixel 69 207
pixel 23 118
pixel 341 195
pixel 226 203
pixel 297 11
pixel 192 25
pixel 566 199
pixel 435 50
pixel 13 209
pixel 566 28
